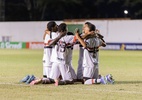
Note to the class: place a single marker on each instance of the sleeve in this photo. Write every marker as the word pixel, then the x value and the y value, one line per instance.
pixel 100 42
pixel 87 42
pixel 47 38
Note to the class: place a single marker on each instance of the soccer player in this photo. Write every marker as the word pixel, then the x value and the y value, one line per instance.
pixel 69 48
pixel 90 61
pixel 59 58
pixel 48 36
pixel 80 64
pixel 80 60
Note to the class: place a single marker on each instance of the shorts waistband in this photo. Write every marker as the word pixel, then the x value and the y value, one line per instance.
pixel 47 47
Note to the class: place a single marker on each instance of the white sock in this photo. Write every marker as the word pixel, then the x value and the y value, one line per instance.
pixel 98 81
pixel 89 81
pixel 92 81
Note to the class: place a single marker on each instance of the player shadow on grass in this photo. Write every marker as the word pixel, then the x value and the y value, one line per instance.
pixel 128 82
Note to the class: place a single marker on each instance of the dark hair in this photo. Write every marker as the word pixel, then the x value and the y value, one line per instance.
pixel 91 26
pixel 70 33
pixel 50 25
pixel 62 27
pixel 88 23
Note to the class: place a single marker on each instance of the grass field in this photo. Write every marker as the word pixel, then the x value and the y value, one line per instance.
pixel 125 66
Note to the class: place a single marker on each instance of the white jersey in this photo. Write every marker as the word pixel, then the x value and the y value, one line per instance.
pixel 47 64
pixel 59 59
pixel 49 37
pixel 48 49
pixel 69 57
pixel 60 50
pixel 90 58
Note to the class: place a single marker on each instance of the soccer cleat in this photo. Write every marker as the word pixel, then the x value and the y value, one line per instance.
pixel 103 80
pixel 25 79
pixel 109 79
pixel 32 77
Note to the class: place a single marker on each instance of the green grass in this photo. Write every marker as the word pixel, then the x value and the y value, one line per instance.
pixel 125 66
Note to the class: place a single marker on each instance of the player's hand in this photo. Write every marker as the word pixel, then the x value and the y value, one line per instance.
pixel 100 36
pixel 97 31
pixel 46 31
pixel 92 33
pixel 76 31
pixel 63 33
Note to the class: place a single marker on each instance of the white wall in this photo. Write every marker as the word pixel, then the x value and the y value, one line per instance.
pixel 23 31
pixel 125 31
pixel 120 31
pixel 114 31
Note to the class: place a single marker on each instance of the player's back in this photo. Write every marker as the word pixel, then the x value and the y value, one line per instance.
pixel 67 39
pixel 60 51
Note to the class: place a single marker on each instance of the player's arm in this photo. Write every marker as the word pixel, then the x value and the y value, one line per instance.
pixel 46 32
pixel 89 35
pixel 79 38
pixel 84 36
pixel 103 43
pixel 98 34
pixel 54 41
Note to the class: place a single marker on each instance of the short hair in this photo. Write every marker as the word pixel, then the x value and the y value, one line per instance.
pixel 70 33
pixel 62 27
pixel 50 25
pixel 91 26
pixel 88 23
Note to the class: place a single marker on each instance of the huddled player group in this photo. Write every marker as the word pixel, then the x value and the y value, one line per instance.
pixel 57 56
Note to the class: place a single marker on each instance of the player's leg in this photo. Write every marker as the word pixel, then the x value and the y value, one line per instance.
pixel 46 81
pixel 44 64
pixel 93 81
pixel 96 67
pixel 108 79
pixel 99 80
pixel 72 71
pixel 66 75
pixel 65 72
pixel 44 60
pixel 48 63
pixel 69 63
pixel 80 63
pixel 41 80
pixel 55 72
pixel 96 71
pixel 88 74
pixel 36 81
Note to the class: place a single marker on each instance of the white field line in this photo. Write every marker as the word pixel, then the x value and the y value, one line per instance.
pixel 63 87
pixel 14 84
